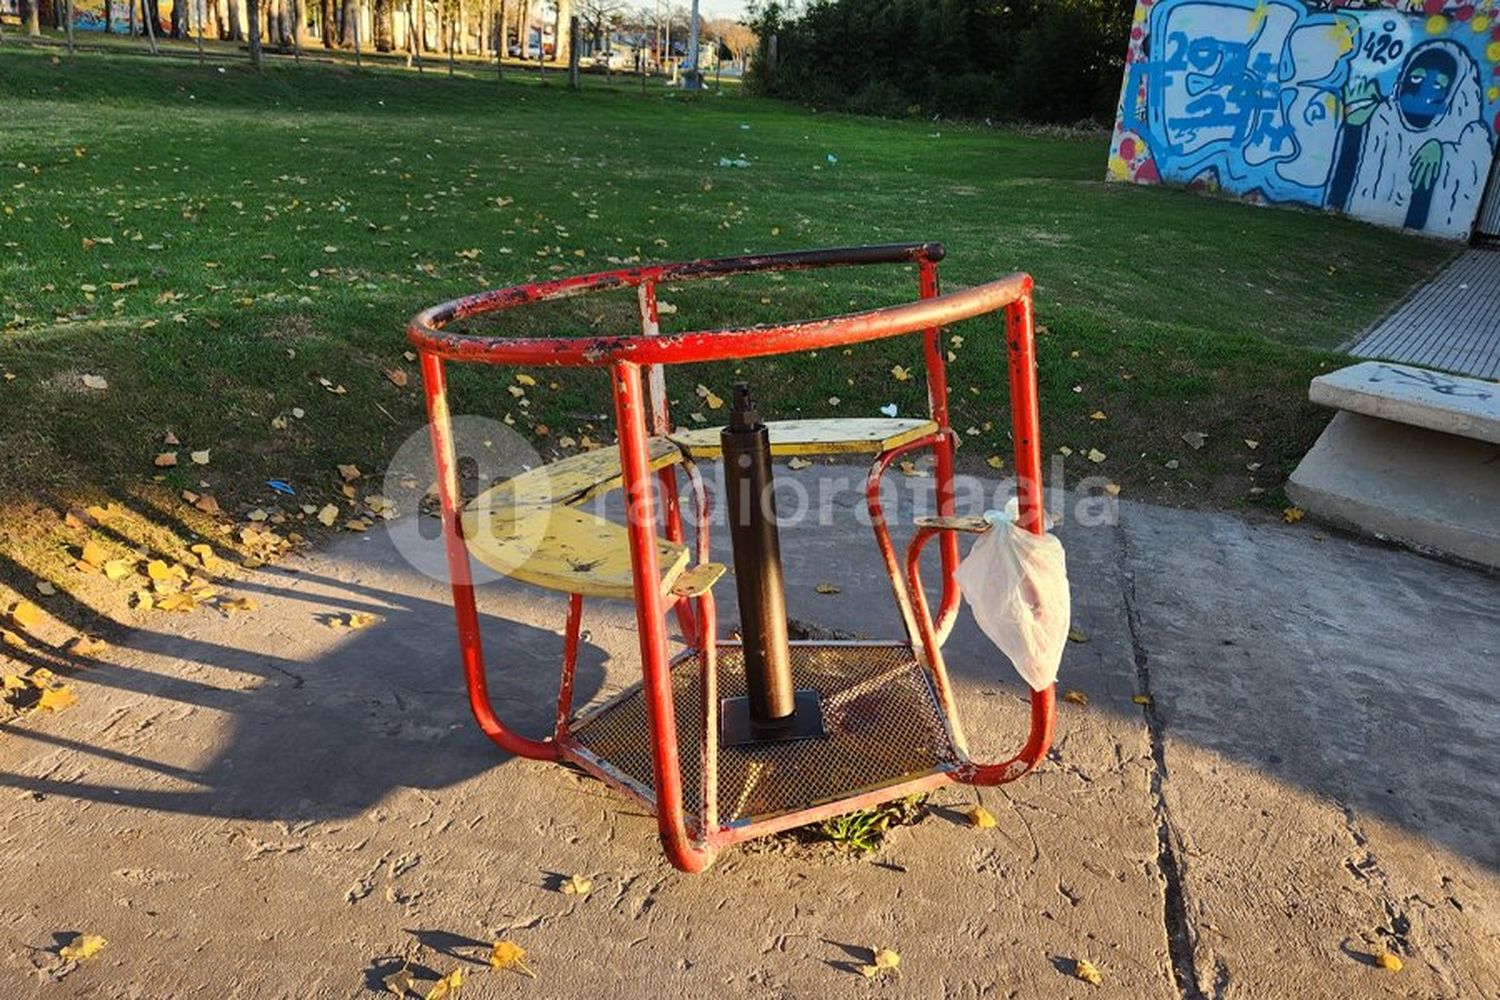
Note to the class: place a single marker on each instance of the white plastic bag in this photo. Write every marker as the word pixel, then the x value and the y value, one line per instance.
pixel 1016 583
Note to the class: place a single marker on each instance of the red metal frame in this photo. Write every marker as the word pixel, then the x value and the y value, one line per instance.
pixel 639 415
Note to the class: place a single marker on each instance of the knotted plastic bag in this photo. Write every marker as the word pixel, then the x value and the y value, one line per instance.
pixel 1016 583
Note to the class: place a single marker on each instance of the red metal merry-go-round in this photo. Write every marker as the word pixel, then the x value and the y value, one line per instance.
pixel 733 739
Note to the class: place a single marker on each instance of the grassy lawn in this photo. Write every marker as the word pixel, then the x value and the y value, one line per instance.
pixel 213 244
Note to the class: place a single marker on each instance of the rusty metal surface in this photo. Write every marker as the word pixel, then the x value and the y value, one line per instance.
pixel 883 721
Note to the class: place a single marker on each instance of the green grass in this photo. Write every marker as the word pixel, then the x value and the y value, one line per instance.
pixel 222 193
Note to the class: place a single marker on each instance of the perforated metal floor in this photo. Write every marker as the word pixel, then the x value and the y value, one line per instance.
pixel 882 717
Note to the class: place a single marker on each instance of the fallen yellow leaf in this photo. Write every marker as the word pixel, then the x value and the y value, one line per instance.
pixel 117 568
pixel 95 382
pixel 1141 699
pixel 25 614
pixel 199 457
pixel 1075 697
pixel 81 947
pixel 399 982
pixel 238 604
pixel 797 462
pixel 94 554
pixel 165 460
pixel 328 514
pixel 349 472
pixel 827 588
pixel 85 645
pixel 995 462
pixel 577 885
pixel 448 986
pixel 1387 961
pixel 1076 634
pixel 886 960
pixel 900 374
pixel 981 817
pixel 156 569
pixel 525 379
pixel 1292 515
pixel 55 699
pixel 509 955
pixel 1087 971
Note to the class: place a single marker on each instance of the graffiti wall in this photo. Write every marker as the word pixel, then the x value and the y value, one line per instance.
pixel 1385 114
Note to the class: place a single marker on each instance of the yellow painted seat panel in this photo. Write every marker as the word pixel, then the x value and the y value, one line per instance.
pixel 565 549
pixel 570 480
pixel 851 436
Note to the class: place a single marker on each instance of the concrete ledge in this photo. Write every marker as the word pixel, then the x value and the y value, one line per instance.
pixel 1453 404
pixel 1421 487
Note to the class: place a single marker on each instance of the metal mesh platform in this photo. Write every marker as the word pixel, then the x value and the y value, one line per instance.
pixel 884 726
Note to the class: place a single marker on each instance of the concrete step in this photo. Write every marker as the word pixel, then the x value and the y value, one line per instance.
pixel 1454 404
pixel 1424 488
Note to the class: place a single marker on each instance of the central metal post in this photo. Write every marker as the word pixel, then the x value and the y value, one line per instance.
pixel 774 710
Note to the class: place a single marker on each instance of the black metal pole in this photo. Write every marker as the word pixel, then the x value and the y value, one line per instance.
pixel 773 709
pixel 757 560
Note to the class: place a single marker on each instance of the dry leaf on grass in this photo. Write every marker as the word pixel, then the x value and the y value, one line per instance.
pixel 509 955
pixel 45 589
pixel 1194 439
pixel 81 947
pixel 165 460
pixel 95 382
pixel 900 374
pixel 93 554
pixel 328 515
pixel 349 473
pixel 199 457
pixel 995 462
pixel 116 569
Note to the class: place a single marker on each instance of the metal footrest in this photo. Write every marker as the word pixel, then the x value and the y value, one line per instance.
pixel 884 726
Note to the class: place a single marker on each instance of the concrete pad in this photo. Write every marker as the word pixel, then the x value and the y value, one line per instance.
pixel 1453 404
pixel 1420 487
pixel 1329 729
pixel 260 806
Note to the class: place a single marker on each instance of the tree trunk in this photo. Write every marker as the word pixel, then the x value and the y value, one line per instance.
pixel 562 34
pixel 33 17
pixel 236 21
pixel 351 18
pixel 328 23
pixel 148 14
pixel 179 12
pixel 257 60
pixel 385 28
pixel 347 14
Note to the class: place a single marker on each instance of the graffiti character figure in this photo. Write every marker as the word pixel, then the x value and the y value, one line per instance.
pixel 1418 157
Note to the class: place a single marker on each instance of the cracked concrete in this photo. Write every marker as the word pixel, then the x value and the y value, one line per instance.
pixel 261 806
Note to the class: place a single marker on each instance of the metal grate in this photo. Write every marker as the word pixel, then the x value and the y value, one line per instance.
pixel 883 721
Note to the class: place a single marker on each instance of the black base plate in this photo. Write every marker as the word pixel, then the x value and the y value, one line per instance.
pixel 805 723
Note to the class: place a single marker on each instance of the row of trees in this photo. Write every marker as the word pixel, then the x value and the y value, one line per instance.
pixel 527 28
pixel 1032 60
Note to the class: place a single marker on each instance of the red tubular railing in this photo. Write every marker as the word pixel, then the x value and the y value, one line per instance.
pixel 625 356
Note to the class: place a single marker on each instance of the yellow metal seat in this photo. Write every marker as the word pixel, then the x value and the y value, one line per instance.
pixel 851 436
pixel 528 528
